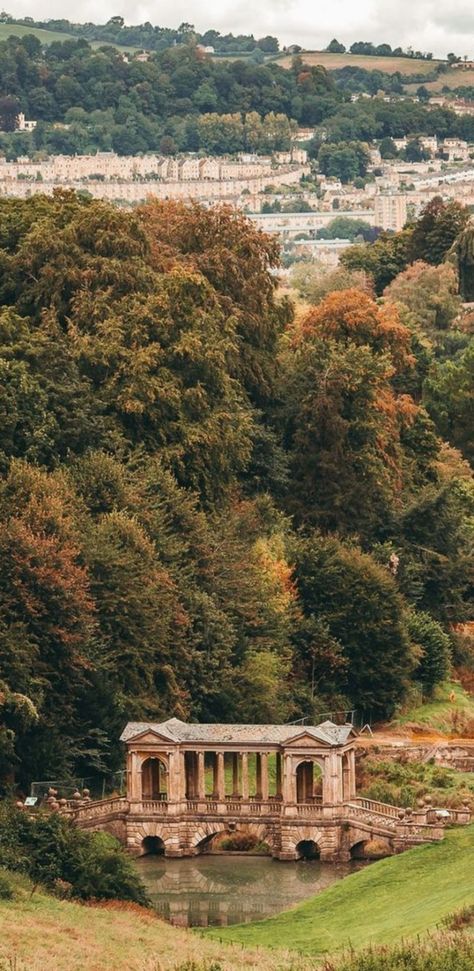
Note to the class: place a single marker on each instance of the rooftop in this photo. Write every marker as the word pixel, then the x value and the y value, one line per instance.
pixel 178 731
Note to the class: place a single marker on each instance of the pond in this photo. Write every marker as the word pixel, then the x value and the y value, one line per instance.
pixel 214 890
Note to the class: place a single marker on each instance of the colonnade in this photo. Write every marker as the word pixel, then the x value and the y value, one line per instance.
pixel 195 776
pixel 201 774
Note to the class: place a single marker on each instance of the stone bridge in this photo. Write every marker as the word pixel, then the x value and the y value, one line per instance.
pixel 334 832
pixel 291 787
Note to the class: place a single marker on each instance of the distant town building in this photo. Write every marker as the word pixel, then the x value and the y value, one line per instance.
pixel 390 211
pixel 23 124
pixel 456 149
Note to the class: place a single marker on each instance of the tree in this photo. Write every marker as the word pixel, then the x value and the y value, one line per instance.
pixel 335 47
pixel 387 148
pixel 48 614
pixel 429 294
pixel 9 109
pixel 434 649
pixel 382 260
pixel 344 423
pixel 464 255
pixel 436 230
pixel 414 151
pixel 268 44
pixel 343 161
pixel 358 600
pixel 314 282
pixel 448 398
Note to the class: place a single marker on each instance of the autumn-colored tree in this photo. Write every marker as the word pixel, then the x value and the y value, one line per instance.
pixel 344 420
pixel 48 613
pixel 236 259
pixel 429 294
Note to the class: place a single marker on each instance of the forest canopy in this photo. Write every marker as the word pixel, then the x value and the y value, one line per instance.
pixel 211 507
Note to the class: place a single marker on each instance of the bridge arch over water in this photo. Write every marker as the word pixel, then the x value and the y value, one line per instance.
pixel 187 783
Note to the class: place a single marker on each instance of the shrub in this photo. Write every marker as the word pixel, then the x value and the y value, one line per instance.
pixel 243 843
pixel 6 889
pixel 52 851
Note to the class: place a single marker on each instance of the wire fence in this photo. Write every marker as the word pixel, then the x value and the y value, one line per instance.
pixel 99 786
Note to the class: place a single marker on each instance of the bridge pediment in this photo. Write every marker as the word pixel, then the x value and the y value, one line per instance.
pixel 151 737
pixel 306 740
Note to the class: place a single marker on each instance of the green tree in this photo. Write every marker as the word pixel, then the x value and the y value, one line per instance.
pixel 448 398
pixel 434 648
pixel 436 230
pixel 359 602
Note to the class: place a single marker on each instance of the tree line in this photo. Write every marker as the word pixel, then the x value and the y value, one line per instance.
pixel 211 507
pixel 86 100
pixel 148 36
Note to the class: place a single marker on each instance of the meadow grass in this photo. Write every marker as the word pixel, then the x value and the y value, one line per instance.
pixel 389 65
pixel 39 932
pixel 440 712
pixel 45 36
pixel 49 36
pixel 396 898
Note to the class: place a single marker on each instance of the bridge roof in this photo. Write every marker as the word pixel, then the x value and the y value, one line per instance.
pixel 178 731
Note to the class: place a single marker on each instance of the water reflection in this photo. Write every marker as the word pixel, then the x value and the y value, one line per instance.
pixel 217 890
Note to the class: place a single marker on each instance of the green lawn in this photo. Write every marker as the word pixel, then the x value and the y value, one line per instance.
pixel 441 713
pixel 396 898
pixel 45 36
pixel 49 36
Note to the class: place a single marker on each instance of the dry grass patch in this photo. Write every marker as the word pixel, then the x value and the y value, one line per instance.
pixel 39 932
pixel 389 65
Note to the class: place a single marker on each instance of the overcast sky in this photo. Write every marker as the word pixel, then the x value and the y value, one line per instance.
pixel 428 25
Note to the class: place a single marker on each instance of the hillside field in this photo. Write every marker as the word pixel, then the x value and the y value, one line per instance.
pixel 397 898
pixel 38 931
pixel 45 36
pixel 50 36
pixel 406 65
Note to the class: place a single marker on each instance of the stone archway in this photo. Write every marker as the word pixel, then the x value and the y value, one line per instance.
pixel 307 850
pixel 375 848
pixel 309 781
pixel 154 779
pixel 146 835
pixel 153 846
pixel 207 831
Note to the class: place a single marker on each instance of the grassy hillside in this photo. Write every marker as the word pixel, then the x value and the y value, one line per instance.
pixel 39 932
pixel 452 79
pixel 406 65
pixel 49 36
pixel 45 36
pixel 396 898
pixel 450 711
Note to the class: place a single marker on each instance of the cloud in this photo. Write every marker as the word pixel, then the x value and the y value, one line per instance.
pixel 435 25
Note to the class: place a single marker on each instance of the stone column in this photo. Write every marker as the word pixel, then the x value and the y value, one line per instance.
pixel 334 772
pixel 176 776
pixel 264 775
pixel 134 777
pixel 201 779
pixel 278 774
pixel 258 775
pixel 245 775
pixel 235 775
pixel 214 775
pixel 346 777
pixel 352 772
pixel 220 777
pixel 289 781
pixel 327 781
